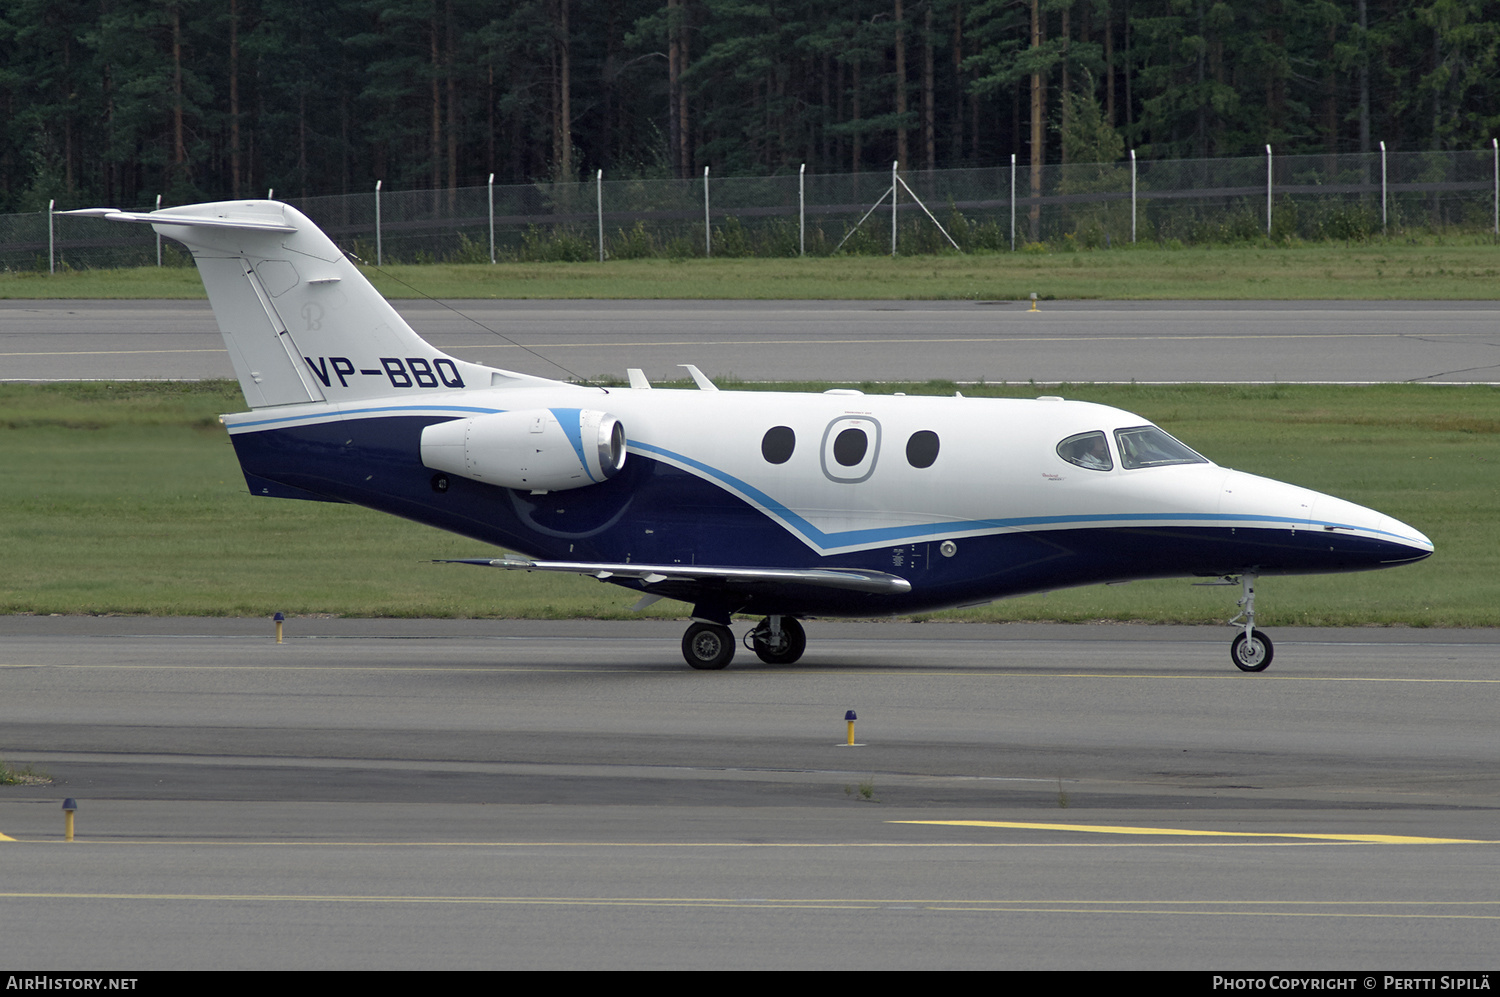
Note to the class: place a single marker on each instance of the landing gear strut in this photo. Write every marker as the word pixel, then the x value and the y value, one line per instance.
pixel 1251 650
pixel 777 640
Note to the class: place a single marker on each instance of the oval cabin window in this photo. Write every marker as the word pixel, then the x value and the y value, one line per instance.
pixel 849 447
pixel 778 444
pixel 922 448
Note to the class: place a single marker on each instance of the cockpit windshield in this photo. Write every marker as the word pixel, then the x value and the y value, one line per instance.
pixel 1147 446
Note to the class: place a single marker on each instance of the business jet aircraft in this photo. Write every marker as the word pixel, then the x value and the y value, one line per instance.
pixel 782 506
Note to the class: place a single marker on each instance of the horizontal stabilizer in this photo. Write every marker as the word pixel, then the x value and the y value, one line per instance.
pixel 847 579
pixel 154 218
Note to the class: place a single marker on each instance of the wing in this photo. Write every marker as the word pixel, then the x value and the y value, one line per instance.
pixel 691 582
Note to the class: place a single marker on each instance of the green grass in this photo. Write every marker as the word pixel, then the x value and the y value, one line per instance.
pixel 26 775
pixel 1433 269
pixel 126 498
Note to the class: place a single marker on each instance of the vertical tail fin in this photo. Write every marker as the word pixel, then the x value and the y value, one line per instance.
pixel 300 321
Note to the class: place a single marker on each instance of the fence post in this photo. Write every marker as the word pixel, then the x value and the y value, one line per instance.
pixel 894 164
pixel 802 211
pixel 1495 144
pixel 379 248
pixel 51 256
pixel 1382 190
pixel 1132 195
pixel 599 209
pixel 492 217
pixel 158 235
pixel 1268 191
pixel 1013 202
pixel 708 246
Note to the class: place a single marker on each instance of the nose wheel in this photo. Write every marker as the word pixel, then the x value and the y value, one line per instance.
pixel 1252 650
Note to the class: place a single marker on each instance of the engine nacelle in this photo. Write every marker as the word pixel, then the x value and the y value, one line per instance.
pixel 541 450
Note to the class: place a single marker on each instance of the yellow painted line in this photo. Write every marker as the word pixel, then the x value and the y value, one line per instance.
pixel 1384 839
pixel 4 838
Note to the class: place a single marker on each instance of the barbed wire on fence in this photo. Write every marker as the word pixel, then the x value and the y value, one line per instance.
pixel 1073 206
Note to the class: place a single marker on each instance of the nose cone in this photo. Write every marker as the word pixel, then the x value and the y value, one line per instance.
pixel 1300 530
pixel 1396 542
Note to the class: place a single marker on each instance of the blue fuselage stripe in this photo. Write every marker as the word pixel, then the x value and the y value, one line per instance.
pixel 316 420
pixel 888 534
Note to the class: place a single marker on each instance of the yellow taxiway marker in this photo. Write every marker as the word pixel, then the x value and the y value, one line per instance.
pixel 1382 839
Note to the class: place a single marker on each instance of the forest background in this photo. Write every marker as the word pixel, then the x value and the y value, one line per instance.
pixel 115 101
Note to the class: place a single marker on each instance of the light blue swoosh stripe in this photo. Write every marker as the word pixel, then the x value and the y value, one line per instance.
pixel 339 416
pixel 888 534
pixel 571 421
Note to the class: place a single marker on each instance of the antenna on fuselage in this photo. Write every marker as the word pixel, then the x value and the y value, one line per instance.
pixel 545 359
pixel 699 378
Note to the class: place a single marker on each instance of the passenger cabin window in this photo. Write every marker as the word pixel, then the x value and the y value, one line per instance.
pixel 1089 450
pixel 778 444
pixel 922 448
pixel 1147 446
pixel 849 447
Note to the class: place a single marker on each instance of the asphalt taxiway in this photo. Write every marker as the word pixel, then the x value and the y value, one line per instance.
pixel 426 794
pixel 532 794
pixel 1098 341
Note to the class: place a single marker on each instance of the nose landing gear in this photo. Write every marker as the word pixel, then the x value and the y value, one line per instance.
pixel 1252 650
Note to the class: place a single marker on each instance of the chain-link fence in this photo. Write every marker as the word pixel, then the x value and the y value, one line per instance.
pixel 1093 205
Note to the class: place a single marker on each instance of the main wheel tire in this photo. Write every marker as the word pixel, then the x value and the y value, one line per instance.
pixel 785 651
pixel 1254 654
pixel 707 646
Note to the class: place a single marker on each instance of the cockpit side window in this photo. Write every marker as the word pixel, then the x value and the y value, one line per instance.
pixel 1089 450
pixel 1147 446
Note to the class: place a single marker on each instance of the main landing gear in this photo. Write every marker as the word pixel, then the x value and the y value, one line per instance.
pixel 776 640
pixel 1251 650
pixel 708 646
